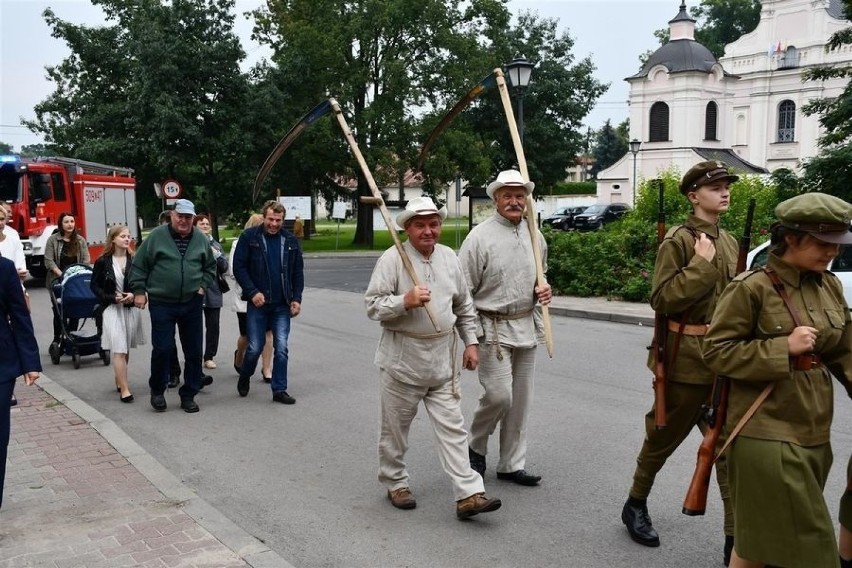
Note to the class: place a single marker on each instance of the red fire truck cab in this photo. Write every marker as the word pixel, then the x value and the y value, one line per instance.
pixel 40 189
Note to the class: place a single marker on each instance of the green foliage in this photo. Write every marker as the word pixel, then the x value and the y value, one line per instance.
pixel 618 261
pixel 6 148
pixel 574 188
pixel 829 171
pixel 609 147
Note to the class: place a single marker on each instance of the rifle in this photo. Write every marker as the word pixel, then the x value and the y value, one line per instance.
pixel 695 502
pixel 660 325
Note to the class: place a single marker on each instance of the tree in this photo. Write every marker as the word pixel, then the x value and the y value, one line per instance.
pixel 718 23
pixel 830 171
pixel 396 66
pixel 6 148
pixel 159 90
pixel 610 146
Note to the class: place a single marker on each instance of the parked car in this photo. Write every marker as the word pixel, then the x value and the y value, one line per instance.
pixel 563 218
pixel 596 216
pixel 841 266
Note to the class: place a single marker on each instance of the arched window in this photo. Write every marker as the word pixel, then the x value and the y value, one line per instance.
pixel 787 121
pixel 710 114
pixel 659 123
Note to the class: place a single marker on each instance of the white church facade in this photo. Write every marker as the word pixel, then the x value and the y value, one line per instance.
pixel 744 109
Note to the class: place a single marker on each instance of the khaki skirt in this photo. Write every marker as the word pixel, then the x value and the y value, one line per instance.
pixel 846 500
pixel 780 514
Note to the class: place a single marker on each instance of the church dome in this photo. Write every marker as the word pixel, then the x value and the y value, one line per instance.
pixel 678 56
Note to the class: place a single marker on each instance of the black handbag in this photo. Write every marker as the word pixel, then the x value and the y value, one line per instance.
pixel 223 283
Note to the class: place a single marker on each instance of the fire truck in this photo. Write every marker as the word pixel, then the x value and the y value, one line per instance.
pixel 40 189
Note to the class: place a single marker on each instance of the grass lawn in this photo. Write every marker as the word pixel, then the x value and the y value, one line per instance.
pixel 327 239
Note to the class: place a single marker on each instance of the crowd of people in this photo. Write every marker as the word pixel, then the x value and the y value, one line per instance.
pixel 779 336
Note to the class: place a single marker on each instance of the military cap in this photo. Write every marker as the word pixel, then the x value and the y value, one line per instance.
pixel 703 173
pixel 824 216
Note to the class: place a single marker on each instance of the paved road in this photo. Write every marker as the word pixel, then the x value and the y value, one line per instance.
pixel 303 478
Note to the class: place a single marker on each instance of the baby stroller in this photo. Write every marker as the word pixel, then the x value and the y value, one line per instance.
pixel 77 306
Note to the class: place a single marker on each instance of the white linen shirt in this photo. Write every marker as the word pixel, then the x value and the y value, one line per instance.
pixel 408 349
pixel 498 264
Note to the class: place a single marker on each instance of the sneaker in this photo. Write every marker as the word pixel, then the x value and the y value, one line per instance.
pixel 283 397
pixel 402 498
pixel 209 364
pixel 475 504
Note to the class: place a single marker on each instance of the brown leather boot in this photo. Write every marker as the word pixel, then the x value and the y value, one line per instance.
pixel 475 504
pixel 402 498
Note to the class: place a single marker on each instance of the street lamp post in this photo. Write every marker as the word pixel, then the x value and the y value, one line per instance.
pixel 520 71
pixel 634 149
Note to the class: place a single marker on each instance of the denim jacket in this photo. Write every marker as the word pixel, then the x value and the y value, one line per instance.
pixel 251 268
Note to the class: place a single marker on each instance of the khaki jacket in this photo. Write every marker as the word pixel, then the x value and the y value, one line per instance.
pixel 687 285
pixel 747 342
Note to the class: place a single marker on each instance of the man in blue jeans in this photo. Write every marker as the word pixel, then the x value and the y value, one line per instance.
pixel 171 270
pixel 269 268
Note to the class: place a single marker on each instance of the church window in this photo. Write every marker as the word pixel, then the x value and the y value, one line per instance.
pixel 711 113
pixel 787 121
pixel 659 123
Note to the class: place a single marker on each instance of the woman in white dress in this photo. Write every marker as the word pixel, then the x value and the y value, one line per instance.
pixel 121 326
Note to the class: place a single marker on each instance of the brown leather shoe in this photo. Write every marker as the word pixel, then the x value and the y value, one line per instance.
pixel 402 498
pixel 475 504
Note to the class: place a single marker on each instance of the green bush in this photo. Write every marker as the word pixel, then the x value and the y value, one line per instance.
pixel 618 261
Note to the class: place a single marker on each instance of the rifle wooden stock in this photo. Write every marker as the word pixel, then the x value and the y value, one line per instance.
pixel 695 502
pixel 660 325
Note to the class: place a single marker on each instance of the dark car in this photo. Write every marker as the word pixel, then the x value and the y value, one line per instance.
pixel 563 218
pixel 596 216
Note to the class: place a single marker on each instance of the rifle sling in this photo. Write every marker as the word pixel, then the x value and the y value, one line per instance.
pixel 782 291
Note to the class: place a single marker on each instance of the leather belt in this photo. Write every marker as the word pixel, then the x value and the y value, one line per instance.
pixel 806 361
pixel 695 329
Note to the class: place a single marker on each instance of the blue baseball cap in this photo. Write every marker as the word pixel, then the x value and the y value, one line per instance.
pixel 184 207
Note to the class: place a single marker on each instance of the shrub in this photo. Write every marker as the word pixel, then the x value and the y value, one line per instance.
pixel 618 261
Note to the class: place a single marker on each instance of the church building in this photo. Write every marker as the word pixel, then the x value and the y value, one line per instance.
pixel 744 109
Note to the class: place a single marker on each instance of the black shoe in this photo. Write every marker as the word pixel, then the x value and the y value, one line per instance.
pixel 283 397
pixel 243 385
pixel 189 405
pixel 521 477
pixel 635 517
pixel 158 402
pixel 267 380
pixel 477 462
pixel 14 401
pixel 128 398
pixel 729 547
pixel 206 380
pixel 174 381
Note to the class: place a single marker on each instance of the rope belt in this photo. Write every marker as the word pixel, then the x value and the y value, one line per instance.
pixel 497 317
pixel 692 329
pixel 806 361
pixel 438 335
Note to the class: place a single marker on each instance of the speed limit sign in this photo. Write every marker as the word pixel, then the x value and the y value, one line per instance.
pixel 172 189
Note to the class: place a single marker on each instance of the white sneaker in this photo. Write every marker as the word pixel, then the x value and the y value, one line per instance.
pixel 210 364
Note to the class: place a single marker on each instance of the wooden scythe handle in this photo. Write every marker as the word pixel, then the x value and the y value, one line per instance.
pixel 530 209
pixel 406 261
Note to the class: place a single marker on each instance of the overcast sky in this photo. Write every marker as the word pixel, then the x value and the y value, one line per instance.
pixel 613 32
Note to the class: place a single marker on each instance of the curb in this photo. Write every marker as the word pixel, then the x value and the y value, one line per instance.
pixel 251 550
pixel 633 319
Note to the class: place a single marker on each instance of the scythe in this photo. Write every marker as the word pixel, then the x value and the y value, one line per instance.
pixel 316 113
pixel 496 78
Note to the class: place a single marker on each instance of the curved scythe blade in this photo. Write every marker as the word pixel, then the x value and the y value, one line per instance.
pixel 315 113
pixel 482 86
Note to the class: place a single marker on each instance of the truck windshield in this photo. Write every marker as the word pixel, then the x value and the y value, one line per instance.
pixel 10 184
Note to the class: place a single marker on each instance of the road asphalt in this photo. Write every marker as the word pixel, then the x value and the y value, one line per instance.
pixel 80 492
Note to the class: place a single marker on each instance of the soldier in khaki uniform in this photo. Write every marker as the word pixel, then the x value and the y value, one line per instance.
pixel 779 462
pixel 694 264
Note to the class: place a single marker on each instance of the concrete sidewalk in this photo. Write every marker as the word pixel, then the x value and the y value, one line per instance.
pixel 81 492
